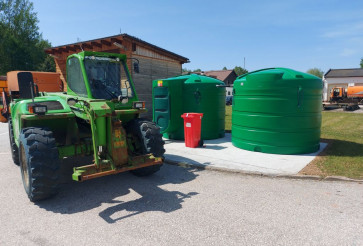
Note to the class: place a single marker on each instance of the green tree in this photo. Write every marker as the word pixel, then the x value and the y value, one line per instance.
pixel 224 68
pixel 47 65
pixel 185 70
pixel 316 71
pixel 240 70
pixel 21 43
pixel 361 63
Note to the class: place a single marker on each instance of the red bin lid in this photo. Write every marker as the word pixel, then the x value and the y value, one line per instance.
pixel 191 115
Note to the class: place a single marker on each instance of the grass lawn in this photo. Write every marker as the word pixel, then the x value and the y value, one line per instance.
pixel 343 156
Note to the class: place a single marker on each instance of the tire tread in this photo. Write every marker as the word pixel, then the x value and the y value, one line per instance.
pixel 43 161
pixel 149 135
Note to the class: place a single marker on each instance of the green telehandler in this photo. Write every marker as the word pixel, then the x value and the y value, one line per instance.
pixel 98 115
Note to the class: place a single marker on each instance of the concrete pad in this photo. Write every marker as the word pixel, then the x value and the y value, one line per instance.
pixel 222 154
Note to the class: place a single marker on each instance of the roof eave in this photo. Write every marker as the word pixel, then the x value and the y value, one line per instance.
pixel 98 42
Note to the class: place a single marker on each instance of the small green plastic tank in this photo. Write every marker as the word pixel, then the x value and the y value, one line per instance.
pixel 189 94
pixel 277 111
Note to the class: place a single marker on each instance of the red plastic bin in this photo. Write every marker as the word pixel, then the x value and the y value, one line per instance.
pixel 192 129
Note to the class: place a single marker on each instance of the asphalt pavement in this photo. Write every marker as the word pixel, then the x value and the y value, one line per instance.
pixel 180 206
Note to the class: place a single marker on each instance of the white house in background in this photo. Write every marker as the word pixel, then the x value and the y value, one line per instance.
pixel 341 78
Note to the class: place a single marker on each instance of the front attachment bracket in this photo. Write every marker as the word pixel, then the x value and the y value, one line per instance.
pixel 92 171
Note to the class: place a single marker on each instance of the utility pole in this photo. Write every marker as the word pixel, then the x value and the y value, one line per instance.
pixel 244 62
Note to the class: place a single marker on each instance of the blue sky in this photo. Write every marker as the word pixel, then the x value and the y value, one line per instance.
pixel 213 34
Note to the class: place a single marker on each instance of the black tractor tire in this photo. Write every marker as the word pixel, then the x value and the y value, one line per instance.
pixel 348 108
pixel 39 163
pixel 13 147
pixel 143 138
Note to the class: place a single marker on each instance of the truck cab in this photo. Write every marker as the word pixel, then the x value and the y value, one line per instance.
pixel 337 94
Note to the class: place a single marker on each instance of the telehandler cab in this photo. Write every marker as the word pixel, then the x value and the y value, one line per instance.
pixel 98 115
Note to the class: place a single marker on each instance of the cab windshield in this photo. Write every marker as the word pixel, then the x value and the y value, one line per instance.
pixel 108 78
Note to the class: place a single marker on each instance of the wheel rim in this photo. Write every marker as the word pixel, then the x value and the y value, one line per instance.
pixel 24 167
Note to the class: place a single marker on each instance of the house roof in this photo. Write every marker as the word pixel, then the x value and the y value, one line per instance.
pixel 219 74
pixel 339 73
pixel 109 41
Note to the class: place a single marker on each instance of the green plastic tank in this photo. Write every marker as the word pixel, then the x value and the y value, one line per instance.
pixel 189 94
pixel 277 111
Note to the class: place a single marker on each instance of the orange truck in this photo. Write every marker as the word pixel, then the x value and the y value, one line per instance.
pixel 45 82
pixel 346 98
pixel 352 94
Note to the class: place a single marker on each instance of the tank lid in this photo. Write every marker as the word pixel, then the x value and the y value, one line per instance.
pixel 286 73
pixel 195 78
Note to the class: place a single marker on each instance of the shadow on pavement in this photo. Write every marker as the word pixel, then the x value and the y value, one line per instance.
pixel 181 159
pixel 157 200
pixel 214 147
pixel 210 142
pixel 119 192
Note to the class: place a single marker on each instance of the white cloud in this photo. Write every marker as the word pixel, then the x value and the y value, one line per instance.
pixel 348 52
pixel 333 34
pixel 353 29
